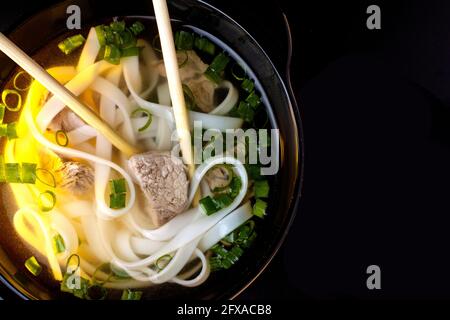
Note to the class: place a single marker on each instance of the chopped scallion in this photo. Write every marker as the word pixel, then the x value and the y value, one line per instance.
pixel 204 45
pixel 253 100
pixel 237 72
pixel 261 189
pixel 130 52
pixel 47 201
pixel 29 172
pixel 12 173
pixel 70 44
pixel 184 40
pixel 11 130
pixel 215 69
pixel 248 85
pixel 112 54
pixel 6 94
pixel 259 208
pixel 149 118
pixel 58 244
pixel 208 205
pixel 118 185
pixel 61 138
pixel 128 294
pixel 117 200
pixel 245 111
pixel 33 266
pixel 137 27
pixel 18 79
pixel 163 261
pixel 45 177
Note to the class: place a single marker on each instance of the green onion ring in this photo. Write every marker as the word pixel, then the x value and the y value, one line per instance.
pixel 234 74
pixel 7 92
pixel 17 76
pixel 53 185
pixel 78 261
pixel 163 259
pixel 149 120
pixel 66 138
pixel 42 206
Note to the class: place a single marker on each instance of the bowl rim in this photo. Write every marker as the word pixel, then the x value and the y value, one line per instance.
pixel 295 115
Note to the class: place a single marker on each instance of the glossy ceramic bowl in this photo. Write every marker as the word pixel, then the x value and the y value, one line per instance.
pixel 39 28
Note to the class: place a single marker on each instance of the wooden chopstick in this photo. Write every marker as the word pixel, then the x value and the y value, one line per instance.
pixel 84 112
pixel 173 77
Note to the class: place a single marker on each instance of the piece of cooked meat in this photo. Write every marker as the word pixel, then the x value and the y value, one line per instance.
pixel 66 120
pixel 163 180
pixel 192 75
pixel 218 177
pixel 76 177
pixel 192 67
pixel 203 90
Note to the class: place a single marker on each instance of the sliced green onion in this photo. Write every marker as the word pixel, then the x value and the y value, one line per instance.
pixel 130 52
pixel 29 172
pixel 58 244
pixel 235 186
pixel 253 100
pixel 137 27
pixel 253 171
pixel 47 201
pixel 61 138
pixel 117 200
pixel 259 208
pixel 46 177
pixel 248 85
pixel 100 34
pixel 216 67
pixel 184 40
pixel 2 112
pixel 118 185
pixel 204 45
pixel 33 266
pixel 261 189
pixel 147 113
pixel 245 111
pixel 16 80
pixel 69 261
pixel 163 261
pixel 112 54
pixel 223 200
pixel 11 130
pixel 127 294
pixel 117 26
pixel 12 173
pixel 70 44
pixel 208 205
pixel 11 92
pixel 238 72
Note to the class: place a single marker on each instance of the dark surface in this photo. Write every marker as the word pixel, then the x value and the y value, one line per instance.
pixel 376 115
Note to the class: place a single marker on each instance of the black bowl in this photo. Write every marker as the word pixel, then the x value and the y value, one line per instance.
pixel 283 113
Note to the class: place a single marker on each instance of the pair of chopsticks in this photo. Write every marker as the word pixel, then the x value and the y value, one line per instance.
pixel 90 117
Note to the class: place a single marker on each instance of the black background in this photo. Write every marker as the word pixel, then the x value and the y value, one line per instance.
pixel 376 119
